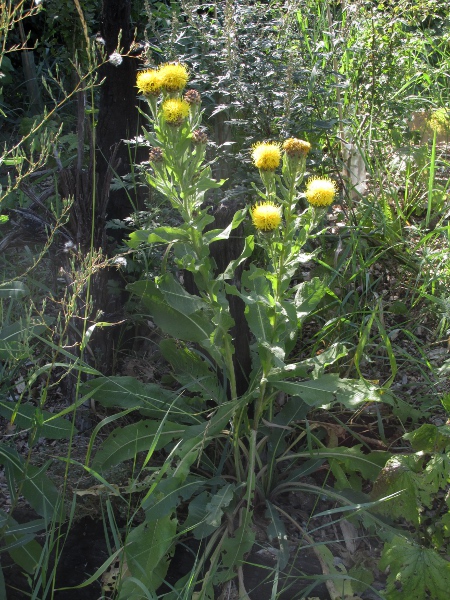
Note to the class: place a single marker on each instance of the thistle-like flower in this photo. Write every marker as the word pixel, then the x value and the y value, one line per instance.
pixel 193 97
pixel 155 155
pixel 320 191
pixel 266 216
pixel 295 148
pixel 266 156
pixel 149 82
pixel 199 137
pixel 175 110
pixel 174 77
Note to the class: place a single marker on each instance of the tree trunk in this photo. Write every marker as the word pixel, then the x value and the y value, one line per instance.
pixel 118 117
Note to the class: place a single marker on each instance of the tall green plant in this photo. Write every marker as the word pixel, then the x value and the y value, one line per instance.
pixel 205 416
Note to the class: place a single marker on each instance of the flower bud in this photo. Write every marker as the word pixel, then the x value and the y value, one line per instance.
pixel 199 137
pixel 193 97
pixel 155 155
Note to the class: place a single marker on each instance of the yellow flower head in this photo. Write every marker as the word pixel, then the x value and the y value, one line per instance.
pixel 174 77
pixel 266 216
pixel 266 156
pixel 296 148
pixel 149 82
pixel 320 191
pixel 174 110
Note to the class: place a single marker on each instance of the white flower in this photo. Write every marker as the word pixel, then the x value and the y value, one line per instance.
pixel 115 59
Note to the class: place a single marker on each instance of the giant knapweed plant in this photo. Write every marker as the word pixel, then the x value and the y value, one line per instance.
pixel 222 448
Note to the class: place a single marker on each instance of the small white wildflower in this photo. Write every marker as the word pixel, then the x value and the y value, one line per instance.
pixel 120 262
pixel 37 2
pixel 115 59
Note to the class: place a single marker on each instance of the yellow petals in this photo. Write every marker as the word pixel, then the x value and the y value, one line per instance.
pixel 320 191
pixel 149 82
pixel 174 77
pixel 174 110
pixel 266 216
pixel 266 156
pixel 296 148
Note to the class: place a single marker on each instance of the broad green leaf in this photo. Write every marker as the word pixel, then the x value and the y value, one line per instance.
pixel 354 460
pixel 150 399
pixel 52 427
pixel 400 474
pixel 192 371
pixel 230 271
pixel 218 502
pixel 194 327
pixel 136 238
pixel 197 513
pixel 177 297
pixel 415 572
pixel 429 438
pixel 37 488
pixel 308 296
pixel 277 531
pixel 338 584
pixel 125 442
pixel 168 494
pixel 435 477
pixel 167 235
pixel 148 548
pixel 218 234
pixel 329 389
pixel 310 367
pixel 233 551
pixel 14 339
pixel 13 289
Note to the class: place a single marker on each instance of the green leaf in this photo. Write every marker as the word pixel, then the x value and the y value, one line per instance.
pixel 148 549
pixel 328 389
pixel 150 399
pixel 194 327
pixel 125 442
pixel 311 366
pixel 13 289
pixel 233 551
pixel 18 541
pixel 167 235
pixel 14 339
pixel 192 371
pixel 218 234
pixel 230 271
pixel 177 297
pixel 415 572
pixel 276 530
pixel 37 488
pixel 52 428
pixel 435 477
pixel 429 438
pixel 218 502
pixel 308 296
pixel 354 460
pixel 401 474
